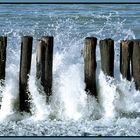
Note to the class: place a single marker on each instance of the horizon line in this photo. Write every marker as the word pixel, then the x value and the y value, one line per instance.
pixel 69 2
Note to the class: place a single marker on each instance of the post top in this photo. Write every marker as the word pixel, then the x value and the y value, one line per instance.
pixel 91 38
pixel 27 37
pixel 3 37
pixel 126 42
pixel 47 37
pixel 136 40
pixel 107 39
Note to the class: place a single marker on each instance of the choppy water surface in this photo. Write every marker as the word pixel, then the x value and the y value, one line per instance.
pixel 71 112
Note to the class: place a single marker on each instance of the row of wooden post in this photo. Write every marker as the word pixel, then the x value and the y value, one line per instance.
pixel 43 68
pixel 107 61
pixel 129 63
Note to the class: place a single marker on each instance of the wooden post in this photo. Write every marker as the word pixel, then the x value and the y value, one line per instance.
pixel 40 59
pixel 25 65
pixel 90 65
pixel 136 63
pixel 3 45
pixel 44 63
pixel 126 47
pixel 107 56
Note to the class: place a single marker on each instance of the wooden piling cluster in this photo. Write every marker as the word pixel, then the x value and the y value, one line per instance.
pixel 130 56
pixel 107 61
pixel 44 63
pixel 44 59
pixel 129 63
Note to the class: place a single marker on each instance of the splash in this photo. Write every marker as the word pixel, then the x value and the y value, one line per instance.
pixel 71 111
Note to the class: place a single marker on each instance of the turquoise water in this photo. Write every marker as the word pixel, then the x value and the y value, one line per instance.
pixel 41 17
pixel 71 112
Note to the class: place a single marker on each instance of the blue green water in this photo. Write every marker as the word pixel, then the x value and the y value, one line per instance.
pixel 71 112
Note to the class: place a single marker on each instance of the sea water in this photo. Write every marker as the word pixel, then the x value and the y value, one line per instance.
pixel 71 111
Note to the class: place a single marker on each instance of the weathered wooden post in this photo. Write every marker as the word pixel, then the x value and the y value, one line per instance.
pixel 136 63
pixel 3 45
pixel 90 65
pixel 44 63
pixel 107 56
pixel 40 59
pixel 126 47
pixel 25 65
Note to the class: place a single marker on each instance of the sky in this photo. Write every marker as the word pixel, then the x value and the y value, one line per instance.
pixel 69 0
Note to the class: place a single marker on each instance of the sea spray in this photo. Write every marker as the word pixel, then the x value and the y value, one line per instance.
pixel 39 108
pixel 10 93
pixel 107 90
pixel 70 88
pixel 128 98
pixel 115 112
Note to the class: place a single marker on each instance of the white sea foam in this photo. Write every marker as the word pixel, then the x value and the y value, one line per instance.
pixel 71 111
